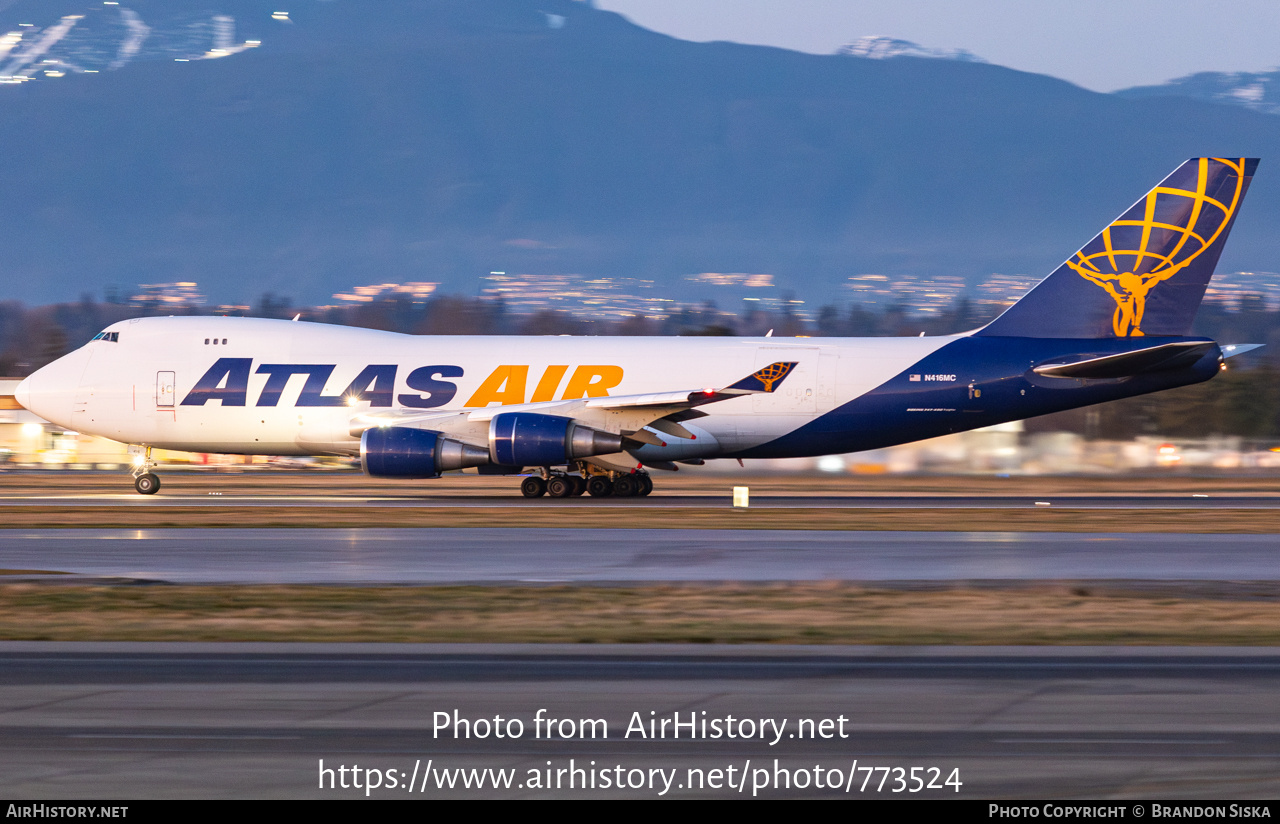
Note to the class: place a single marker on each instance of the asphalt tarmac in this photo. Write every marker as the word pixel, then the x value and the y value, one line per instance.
pixel 663 501
pixel 587 555
pixel 136 721
pixel 256 720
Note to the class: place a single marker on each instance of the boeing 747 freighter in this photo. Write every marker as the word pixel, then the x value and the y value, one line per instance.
pixel 596 415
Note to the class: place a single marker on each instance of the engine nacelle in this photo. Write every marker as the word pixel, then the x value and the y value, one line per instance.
pixel 402 452
pixel 531 439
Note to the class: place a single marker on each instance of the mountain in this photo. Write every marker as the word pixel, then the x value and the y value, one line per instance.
pixel 878 47
pixel 1252 90
pixel 439 140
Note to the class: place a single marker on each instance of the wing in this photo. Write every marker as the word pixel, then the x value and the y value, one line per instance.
pixel 623 414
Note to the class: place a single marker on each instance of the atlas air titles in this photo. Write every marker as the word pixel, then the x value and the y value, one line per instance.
pixel 227 382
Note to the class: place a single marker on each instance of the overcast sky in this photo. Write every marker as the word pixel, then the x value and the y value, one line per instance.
pixel 1102 45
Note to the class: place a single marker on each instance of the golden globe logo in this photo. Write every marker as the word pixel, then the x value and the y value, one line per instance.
pixel 1173 228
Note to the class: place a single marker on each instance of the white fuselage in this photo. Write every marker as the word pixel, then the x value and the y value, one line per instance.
pixel 254 386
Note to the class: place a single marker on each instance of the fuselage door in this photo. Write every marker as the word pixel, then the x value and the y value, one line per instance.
pixel 165 389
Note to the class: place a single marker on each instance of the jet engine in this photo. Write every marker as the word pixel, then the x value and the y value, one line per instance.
pixel 402 452
pixel 531 439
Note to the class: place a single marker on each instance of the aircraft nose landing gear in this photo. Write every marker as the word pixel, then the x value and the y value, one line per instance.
pixel 145 481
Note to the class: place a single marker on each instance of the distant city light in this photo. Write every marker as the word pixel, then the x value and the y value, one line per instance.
pixel 733 279
pixel 931 296
pixel 181 293
pixel 417 290
pixel 8 41
pixel 1235 289
pixel 586 298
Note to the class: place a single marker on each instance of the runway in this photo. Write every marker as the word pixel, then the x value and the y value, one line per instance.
pixel 588 555
pixel 254 720
pixel 657 500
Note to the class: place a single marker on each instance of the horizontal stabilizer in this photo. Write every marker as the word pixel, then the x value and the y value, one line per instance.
pixel 1230 350
pixel 1126 364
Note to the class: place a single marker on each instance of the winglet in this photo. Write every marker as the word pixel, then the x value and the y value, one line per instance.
pixel 762 380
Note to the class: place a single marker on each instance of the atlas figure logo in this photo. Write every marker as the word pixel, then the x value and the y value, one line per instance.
pixel 1160 236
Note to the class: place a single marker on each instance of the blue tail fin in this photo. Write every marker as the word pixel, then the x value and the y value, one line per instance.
pixel 1145 273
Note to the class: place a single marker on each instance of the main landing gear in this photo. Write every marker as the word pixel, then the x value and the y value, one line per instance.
pixel 563 485
pixel 145 481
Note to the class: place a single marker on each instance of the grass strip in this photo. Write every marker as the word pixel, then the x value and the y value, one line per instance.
pixel 808 613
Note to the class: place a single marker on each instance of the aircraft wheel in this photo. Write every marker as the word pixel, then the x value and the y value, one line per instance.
pixel 579 485
pixel 626 487
pixel 646 485
pixel 600 487
pixel 560 487
pixel 147 483
pixel 533 488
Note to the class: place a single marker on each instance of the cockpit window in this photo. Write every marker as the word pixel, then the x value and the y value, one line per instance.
pixel 113 337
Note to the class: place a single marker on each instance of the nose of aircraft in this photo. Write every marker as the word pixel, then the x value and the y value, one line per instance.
pixel 23 394
pixel 50 391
